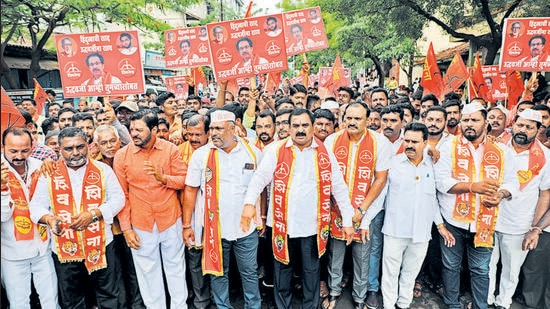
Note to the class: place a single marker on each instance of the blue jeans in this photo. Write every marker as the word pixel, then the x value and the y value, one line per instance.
pixel 478 262
pixel 245 253
pixel 377 242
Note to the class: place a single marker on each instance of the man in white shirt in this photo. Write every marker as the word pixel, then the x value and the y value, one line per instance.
pixel 25 245
pixel 363 156
pixel 516 216
pixel 411 208
pixel 78 203
pixel 222 171
pixel 473 175
pixel 304 174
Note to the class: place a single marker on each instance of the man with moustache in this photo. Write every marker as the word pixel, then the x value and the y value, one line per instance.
pixel 453 116
pixel 78 203
pixel 545 112
pixel 86 123
pixel 516 216
pixel 426 102
pixel 198 130
pixel 379 98
pixel 411 210
pixel 304 175
pixel 108 142
pixel 221 171
pixel 65 116
pixel 282 124
pixel 25 245
pixel 363 157
pixel 473 176
pixel 96 64
pixel 169 105
pixel 374 120
pixel 392 124
pixel 150 171
pixel 324 123
pixel 265 129
pixel 497 119
pixel 245 48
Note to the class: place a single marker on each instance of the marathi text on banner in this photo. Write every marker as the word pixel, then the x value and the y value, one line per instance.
pixel 304 31
pixel 100 64
pixel 187 47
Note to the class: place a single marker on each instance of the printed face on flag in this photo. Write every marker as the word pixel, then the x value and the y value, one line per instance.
pixel 524 44
pixel 304 31
pixel 187 47
pixel 247 47
pixel 100 64
pixel 495 81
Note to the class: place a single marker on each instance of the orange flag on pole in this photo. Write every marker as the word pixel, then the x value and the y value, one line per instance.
pixel 455 76
pixel 337 78
pixel 272 81
pixel 198 76
pixel 40 97
pixel 431 81
pixel 514 87
pixel 476 82
pixel 11 117
pixel 249 10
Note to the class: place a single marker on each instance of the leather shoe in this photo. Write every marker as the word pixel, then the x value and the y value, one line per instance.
pixel 372 300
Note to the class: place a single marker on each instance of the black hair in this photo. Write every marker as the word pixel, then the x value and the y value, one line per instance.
pixel 149 117
pixel 417 127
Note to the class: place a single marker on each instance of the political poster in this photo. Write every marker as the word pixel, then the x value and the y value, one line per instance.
pixel 247 47
pixel 100 64
pixel 304 31
pixel 178 86
pixel 186 47
pixel 496 82
pixel 524 44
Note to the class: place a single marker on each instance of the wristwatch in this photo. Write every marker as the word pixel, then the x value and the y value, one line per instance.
pixel 94 216
pixel 361 210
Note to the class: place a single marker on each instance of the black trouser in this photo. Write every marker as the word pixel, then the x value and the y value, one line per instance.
pixel 303 249
pixel 536 274
pixel 72 278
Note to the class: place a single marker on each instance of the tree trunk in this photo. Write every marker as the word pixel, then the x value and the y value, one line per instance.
pixel 379 68
pixel 491 53
pixel 6 72
pixel 35 63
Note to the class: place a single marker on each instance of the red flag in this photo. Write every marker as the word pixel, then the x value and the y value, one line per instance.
pixel 198 76
pixel 455 76
pixel 40 97
pixel 476 82
pixel 249 10
pixel 272 82
pixel 11 117
pixel 337 77
pixel 514 87
pixel 431 76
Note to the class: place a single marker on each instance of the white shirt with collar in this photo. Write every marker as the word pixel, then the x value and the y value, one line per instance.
pixel 236 169
pixel 515 216
pixel 24 249
pixel 383 157
pixel 445 179
pixel 114 197
pixel 411 202
pixel 303 198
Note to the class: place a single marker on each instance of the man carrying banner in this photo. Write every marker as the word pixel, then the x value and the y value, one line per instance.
pixel 25 245
pixel 304 175
pixel 473 175
pixel 222 171
pixel 78 203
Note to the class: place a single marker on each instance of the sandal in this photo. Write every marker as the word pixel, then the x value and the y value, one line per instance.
pixel 330 302
pixel 417 291
pixel 323 291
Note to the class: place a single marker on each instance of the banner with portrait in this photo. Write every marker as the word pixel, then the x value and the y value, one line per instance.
pixel 178 86
pixel 304 31
pixel 496 83
pixel 186 47
pixel 525 44
pixel 100 64
pixel 247 47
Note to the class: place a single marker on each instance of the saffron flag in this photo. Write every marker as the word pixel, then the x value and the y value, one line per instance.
pixel 455 76
pixel 476 83
pixel 337 78
pixel 272 82
pixel 431 76
pixel 514 87
pixel 40 97
pixel 249 10
pixel 198 76
pixel 11 117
